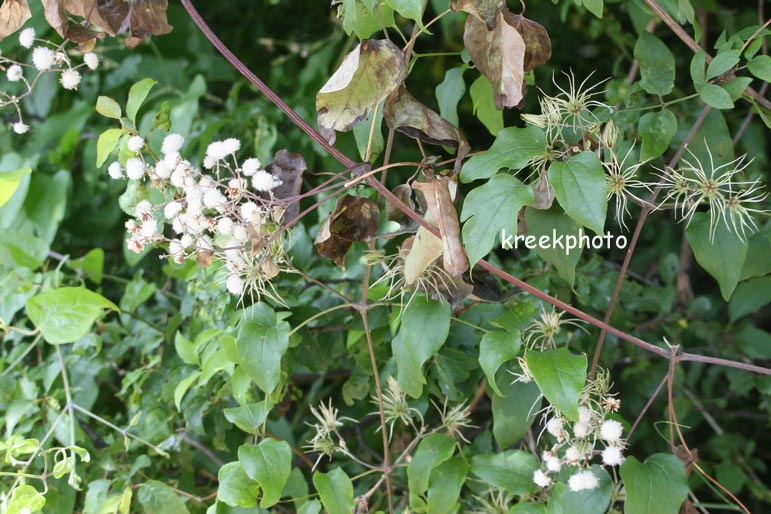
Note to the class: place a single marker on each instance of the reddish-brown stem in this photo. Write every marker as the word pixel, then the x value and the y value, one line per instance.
pixel 646 210
pixel 383 190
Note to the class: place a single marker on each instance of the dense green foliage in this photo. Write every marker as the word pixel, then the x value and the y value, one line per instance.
pixel 196 331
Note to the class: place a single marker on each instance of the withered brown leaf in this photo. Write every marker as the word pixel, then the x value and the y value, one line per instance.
pixel 289 168
pixel 486 11
pixel 500 55
pixel 537 41
pixel 354 219
pixel 13 14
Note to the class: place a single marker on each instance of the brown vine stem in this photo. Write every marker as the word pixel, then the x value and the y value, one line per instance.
pixel 647 406
pixel 646 210
pixel 693 45
pixel 383 190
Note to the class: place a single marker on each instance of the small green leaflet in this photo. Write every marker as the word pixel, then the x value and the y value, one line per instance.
pixel 269 464
pixel 514 148
pixel 335 490
pixel 511 470
pixel 656 130
pixel 9 181
pixel 560 376
pixel 66 314
pixel 657 486
pixel 581 190
pixel 495 348
pixel 657 65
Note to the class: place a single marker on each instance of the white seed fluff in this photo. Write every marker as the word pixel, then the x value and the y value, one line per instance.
pixel 583 480
pixel 554 427
pixel 572 454
pixel 584 415
pixel 225 226
pixel 43 58
pixel 27 37
pixel 135 143
pixel 611 430
pixel 235 285
pixel 115 171
pixel 172 209
pixel 144 209
pixel 91 60
pixel 231 145
pixel 172 143
pixel 540 479
pixel 14 73
pixel 251 166
pixel 135 168
pixel 581 430
pixel 611 456
pixel 70 79
pixel 20 127
pixel 264 181
pixel 553 464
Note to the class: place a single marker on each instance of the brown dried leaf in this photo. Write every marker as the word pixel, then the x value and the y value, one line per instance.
pixel 354 219
pixel 365 77
pixel 13 14
pixel 442 213
pixel 289 168
pixel 424 248
pixel 404 113
pixel 141 18
pixel 404 193
pixel 537 41
pixel 486 11
pixel 543 193
pixel 500 55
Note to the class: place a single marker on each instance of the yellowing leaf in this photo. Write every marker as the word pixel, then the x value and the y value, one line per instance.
pixel 9 181
pixel 500 56
pixel 13 14
pixel 366 76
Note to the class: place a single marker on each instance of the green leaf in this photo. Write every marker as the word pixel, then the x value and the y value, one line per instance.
pixel 366 76
pixel 410 9
pixel 715 96
pixel 483 103
pixel 592 501
pixel 9 181
pixel 657 64
pixel 514 412
pixel 594 7
pixel 489 209
pixel 449 92
pixel 560 376
pixel 431 452
pixel 260 350
pixel 359 18
pixel 698 61
pixel 106 144
pixel 335 490
pixel 511 470
pixel 311 507
pixel 25 500
pixel 182 387
pixel 495 348
pixel 548 224
pixel 108 107
pixel 753 342
pixel 757 263
pixel 136 97
pixel 657 486
pixel 249 417
pixel 155 497
pixel 425 326
pixel 722 257
pixel 269 464
pixel 92 264
pixel 66 314
pixel 735 88
pixel 235 487
pixel 445 484
pixel 186 350
pixel 513 148
pixel 580 188
pixel 656 130
pixel 362 131
pixel 749 297
pixel 760 66
pixel 722 62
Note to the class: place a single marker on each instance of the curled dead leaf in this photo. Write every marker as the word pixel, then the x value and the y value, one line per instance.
pixel 441 212
pixel 406 114
pixel 543 193
pixel 354 219
pixel 365 77
pixel 535 36
pixel 288 167
pixel 13 14
pixel 140 18
pixel 486 11
pixel 404 193
pixel 499 54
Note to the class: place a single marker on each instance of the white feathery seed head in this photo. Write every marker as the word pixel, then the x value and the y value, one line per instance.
pixel 43 58
pixel 27 37
pixel 70 79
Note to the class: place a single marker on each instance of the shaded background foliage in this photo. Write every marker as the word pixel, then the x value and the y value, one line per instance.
pixel 130 369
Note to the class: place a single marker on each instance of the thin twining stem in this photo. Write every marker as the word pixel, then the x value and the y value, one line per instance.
pixel 383 190
pixel 646 210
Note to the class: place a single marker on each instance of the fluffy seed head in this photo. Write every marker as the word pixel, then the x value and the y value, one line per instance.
pixel 70 79
pixel 540 479
pixel 611 456
pixel 135 168
pixel 20 127
pixel 611 430
pixel 43 58
pixel 91 60
pixel 115 171
pixel 172 143
pixel 583 480
pixel 27 37
pixel 135 143
pixel 14 73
